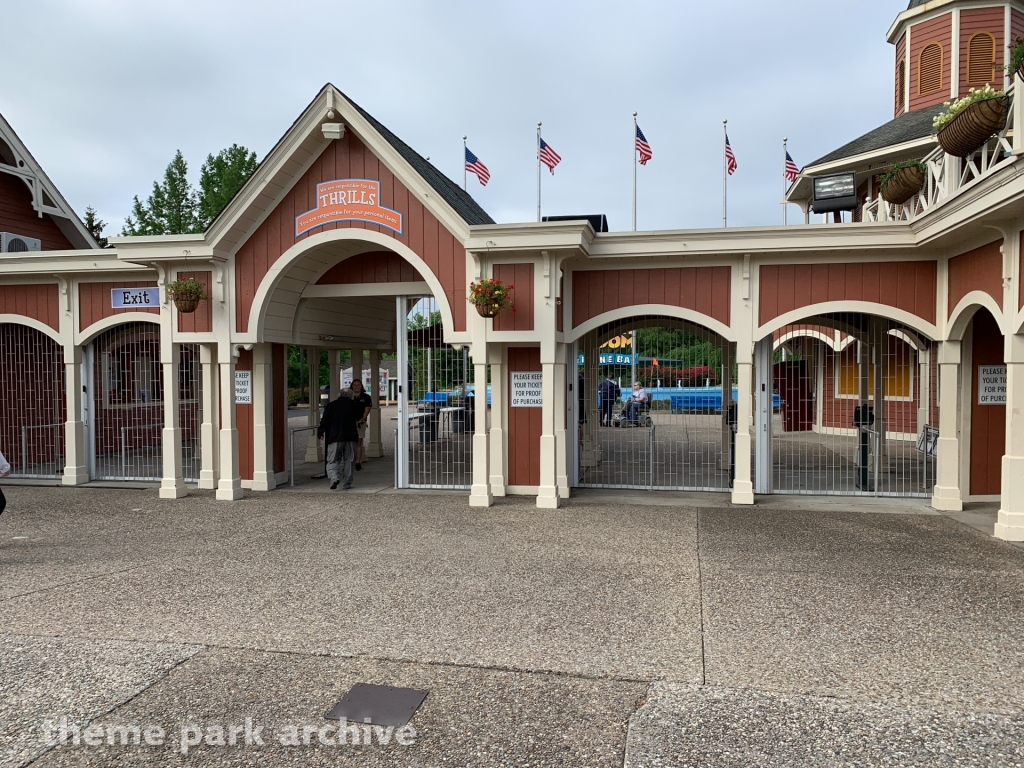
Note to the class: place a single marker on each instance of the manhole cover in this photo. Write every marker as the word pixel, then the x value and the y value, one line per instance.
pixel 378 705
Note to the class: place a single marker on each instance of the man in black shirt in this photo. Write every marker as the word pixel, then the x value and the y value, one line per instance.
pixel 338 429
pixel 610 393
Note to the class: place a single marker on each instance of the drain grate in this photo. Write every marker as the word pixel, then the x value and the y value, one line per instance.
pixel 378 705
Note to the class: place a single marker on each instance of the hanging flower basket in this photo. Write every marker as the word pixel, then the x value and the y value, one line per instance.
pixel 902 181
pixel 186 305
pixel 186 294
pixel 488 310
pixel 490 296
pixel 971 121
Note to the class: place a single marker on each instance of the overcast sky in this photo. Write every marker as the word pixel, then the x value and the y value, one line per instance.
pixel 104 91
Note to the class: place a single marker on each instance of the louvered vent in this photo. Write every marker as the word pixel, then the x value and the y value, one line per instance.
pixel 901 85
pixel 929 71
pixel 981 59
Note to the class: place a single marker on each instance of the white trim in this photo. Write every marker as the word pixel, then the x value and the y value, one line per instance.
pixel 31 322
pixel 522 490
pixel 345 290
pixel 960 318
pixel 274 275
pixel 89 333
pixel 954 56
pixel 666 310
pixel 801 316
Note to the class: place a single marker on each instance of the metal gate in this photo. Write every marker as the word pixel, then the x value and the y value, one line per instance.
pixel 653 406
pixel 436 414
pixel 827 433
pixel 32 402
pixel 128 418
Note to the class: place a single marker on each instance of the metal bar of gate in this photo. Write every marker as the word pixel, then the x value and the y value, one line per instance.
pixel 24 443
pixel 124 445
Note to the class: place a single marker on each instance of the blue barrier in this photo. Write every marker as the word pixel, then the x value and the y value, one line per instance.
pixel 441 398
pixel 683 399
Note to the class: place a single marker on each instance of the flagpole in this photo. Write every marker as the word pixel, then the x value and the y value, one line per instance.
pixel 538 170
pixel 632 159
pixel 785 158
pixel 725 176
pixel 464 163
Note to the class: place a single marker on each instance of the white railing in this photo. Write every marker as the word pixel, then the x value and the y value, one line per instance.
pixel 947 175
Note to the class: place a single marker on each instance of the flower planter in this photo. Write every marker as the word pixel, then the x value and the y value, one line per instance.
pixel 488 310
pixel 186 305
pixel 906 183
pixel 973 127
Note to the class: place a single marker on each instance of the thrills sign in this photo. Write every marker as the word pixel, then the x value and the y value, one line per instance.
pixel 348 200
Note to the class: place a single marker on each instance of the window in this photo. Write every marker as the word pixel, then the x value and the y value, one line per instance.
pixel 899 373
pixel 901 84
pixel 981 59
pixel 929 70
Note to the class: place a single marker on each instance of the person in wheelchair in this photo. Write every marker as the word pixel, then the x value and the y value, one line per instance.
pixel 638 404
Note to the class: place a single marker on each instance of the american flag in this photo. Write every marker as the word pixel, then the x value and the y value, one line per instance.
pixel 643 147
pixel 473 165
pixel 548 156
pixel 730 158
pixel 791 171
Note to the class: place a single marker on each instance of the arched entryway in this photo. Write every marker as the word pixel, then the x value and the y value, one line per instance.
pixel 853 409
pixel 654 405
pixel 32 401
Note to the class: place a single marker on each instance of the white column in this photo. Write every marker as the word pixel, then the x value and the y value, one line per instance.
pixel 1010 523
pixel 333 374
pixel 374 446
pixel 263 478
pixel 229 486
pixel 742 487
pixel 172 486
pixel 75 469
pixel 561 406
pixel 547 493
pixel 947 495
pixel 314 453
pixel 499 415
pixel 357 365
pixel 480 492
pixel 210 416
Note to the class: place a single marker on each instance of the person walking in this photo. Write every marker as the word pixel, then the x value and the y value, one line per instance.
pixel 610 393
pixel 362 398
pixel 5 470
pixel 338 430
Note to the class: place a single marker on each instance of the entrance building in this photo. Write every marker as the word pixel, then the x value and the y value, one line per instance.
pixel 877 356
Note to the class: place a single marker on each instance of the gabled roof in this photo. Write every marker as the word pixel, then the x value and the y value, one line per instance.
pixel 16 160
pixel 285 164
pixel 906 127
pixel 452 193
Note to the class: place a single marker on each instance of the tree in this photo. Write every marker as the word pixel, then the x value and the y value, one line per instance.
pixel 95 225
pixel 220 179
pixel 172 208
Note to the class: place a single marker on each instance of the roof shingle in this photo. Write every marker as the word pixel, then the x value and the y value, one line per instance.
pixel 906 127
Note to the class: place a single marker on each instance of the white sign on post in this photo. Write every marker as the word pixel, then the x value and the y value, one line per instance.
pixel 991 385
pixel 243 387
pixel 134 298
pixel 527 389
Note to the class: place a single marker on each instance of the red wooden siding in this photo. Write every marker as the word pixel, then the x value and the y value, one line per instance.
pixel 39 301
pixel 524 424
pixel 342 159
pixel 988 422
pixel 1016 24
pixel 18 217
pixel 908 285
pixel 702 289
pixel 200 321
pixel 279 371
pixel 244 423
pixel 377 267
pixel 938 30
pixel 94 302
pixel 520 276
pixel 977 270
pixel 973 21
pixel 899 94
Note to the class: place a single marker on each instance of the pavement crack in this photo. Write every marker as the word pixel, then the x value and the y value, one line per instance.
pixel 72 581
pixel 700 604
